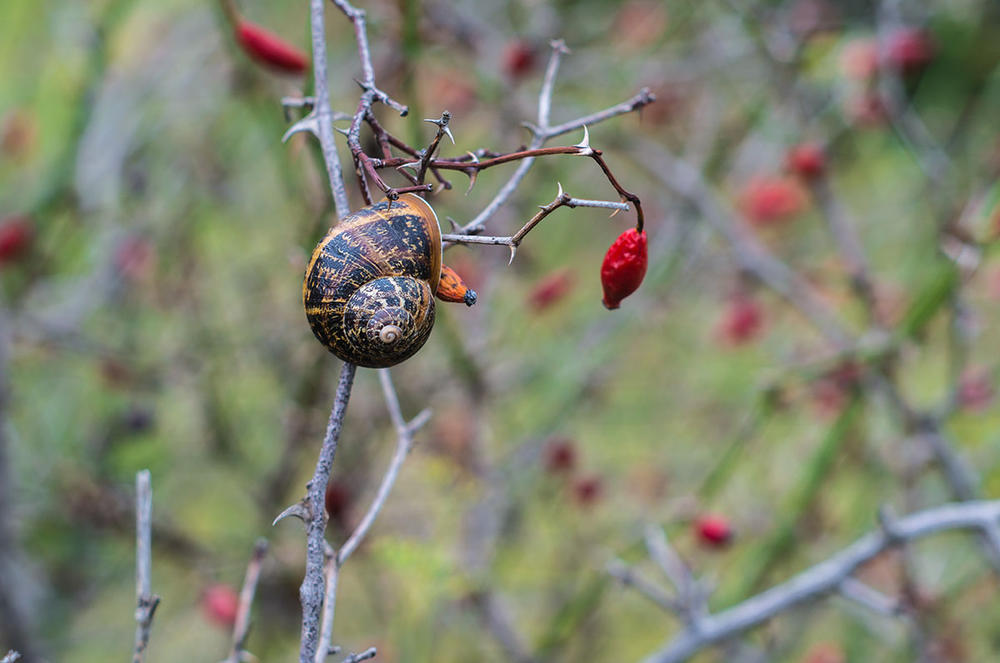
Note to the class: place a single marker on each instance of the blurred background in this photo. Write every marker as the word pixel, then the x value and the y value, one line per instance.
pixel 153 236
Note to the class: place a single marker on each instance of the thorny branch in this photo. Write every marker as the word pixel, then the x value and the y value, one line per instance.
pixel 312 511
pixel 319 587
pixel 832 575
pixel 562 199
pixel 146 601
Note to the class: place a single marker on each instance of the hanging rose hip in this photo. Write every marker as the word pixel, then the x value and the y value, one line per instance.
pixel 270 49
pixel 624 267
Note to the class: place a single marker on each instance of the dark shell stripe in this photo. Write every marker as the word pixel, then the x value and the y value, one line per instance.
pixel 371 243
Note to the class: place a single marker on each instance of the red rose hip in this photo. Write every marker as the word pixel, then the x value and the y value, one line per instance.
pixel 713 530
pixel 269 49
pixel 624 267
pixel 220 603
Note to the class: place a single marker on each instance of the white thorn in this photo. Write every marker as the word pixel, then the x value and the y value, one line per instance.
pixel 447 132
pixel 560 194
pixel 308 123
pixel 513 250
pixel 585 143
pixel 296 510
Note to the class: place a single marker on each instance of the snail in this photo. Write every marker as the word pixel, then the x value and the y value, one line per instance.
pixel 370 285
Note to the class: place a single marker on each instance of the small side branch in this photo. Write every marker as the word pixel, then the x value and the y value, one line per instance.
pixel 241 628
pixel 146 601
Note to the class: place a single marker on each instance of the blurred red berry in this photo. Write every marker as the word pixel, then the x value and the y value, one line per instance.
pixel 16 234
pixel 768 201
pixel 338 499
pixel 560 456
pixel 587 490
pixel 807 160
pixel 909 49
pixel 451 88
pixel 859 59
pixel 519 58
pixel 219 604
pixel 269 49
pixel 713 530
pixel 975 390
pixel 742 320
pixel 825 652
pixel 134 258
pixel 624 267
pixel 551 289
pixel 866 110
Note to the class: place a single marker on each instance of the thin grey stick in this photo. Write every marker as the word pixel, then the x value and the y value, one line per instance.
pixel 146 601
pixel 404 444
pixel 322 113
pixel 241 627
pixel 332 571
pixel 538 140
pixel 312 591
pixel 824 578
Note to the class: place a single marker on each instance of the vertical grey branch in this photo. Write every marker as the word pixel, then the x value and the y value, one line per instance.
pixel 324 116
pixel 13 615
pixel 314 584
pixel 146 602
pixel 242 626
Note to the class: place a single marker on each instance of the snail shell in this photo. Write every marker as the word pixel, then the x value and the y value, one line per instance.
pixel 369 287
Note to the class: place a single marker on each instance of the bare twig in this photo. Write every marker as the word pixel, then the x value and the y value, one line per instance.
pixel 336 559
pixel 241 627
pixel 146 601
pixel 332 572
pixel 826 577
pixel 542 132
pixel 629 577
pixel 312 591
pixel 404 444
pixel 10 657
pixel 13 614
pixel 363 656
pixel 322 116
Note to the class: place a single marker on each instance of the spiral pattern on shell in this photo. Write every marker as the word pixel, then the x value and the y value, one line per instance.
pixel 369 287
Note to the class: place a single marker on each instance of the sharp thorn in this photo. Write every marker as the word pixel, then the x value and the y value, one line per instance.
pixel 513 250
pixel 473 156
pixel 454 226
pixel 472 181
pixel 560 194
pixel 308 123
pixel 345 132
pixel 613 213
pixel 297 510
pixel 447 132
pixel 585 143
